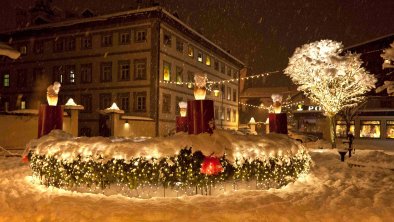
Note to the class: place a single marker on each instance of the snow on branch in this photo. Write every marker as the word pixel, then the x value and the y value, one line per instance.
pixel 328 76
pixel 388 56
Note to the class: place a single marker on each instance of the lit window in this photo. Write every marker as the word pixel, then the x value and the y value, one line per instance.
pixel 390 129
pixel 70 72
pixel 166 71
pixel 190 51
pixel 6 80
pixel 340 128
pixel 228 93
pixel 208 60
pixel 228 114
pixel 199 56
pixel 370 129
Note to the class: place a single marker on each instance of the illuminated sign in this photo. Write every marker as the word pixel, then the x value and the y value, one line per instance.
pixel 301 107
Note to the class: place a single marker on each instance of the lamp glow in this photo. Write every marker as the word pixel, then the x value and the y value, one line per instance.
pixel 199 88
pixel 52 93
pixel 183 108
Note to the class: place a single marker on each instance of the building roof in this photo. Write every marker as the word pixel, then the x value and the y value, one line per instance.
pixel 125 16
pixel 388 36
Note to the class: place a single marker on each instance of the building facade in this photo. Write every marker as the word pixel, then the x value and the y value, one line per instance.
pixel 138 59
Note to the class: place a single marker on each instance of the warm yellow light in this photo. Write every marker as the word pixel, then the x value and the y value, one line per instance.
pixel 208 60
pixel 167 73
pixel 216 92
pixel 183 108
pixel 199 93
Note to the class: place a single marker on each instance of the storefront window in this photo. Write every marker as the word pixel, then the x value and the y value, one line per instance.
pixel 340 128
pixel 390 129
pixel 370 129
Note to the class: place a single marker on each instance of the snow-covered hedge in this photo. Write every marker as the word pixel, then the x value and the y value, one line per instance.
pixel 181 161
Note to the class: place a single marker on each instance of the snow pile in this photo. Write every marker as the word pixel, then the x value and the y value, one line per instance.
pixel 64 147
pixel 373 159
pixel 331 192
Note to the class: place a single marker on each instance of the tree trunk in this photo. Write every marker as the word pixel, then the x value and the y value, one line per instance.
pixel 332 131
pixel 347 127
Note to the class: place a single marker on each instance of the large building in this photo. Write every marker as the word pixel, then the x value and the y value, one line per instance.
pixel 134 58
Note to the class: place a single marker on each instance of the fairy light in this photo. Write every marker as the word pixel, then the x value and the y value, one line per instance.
pixel 146 177
pixel 218 82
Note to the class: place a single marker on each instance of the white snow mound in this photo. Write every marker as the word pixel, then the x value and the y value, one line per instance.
pixel 65 147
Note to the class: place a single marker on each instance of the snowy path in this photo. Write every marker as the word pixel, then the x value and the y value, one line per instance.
pixel 332 192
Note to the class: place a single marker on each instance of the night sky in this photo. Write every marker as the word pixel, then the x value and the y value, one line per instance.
pixel 262 33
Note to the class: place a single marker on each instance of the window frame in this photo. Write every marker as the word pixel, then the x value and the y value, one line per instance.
pixel 102 73
pixel 123 32
pixel 86 102
pixel 83 68
pixel 122 67
pixel 105 36
pixel 139 101
pixel 138 34
pixel 137 75
pixel 166 105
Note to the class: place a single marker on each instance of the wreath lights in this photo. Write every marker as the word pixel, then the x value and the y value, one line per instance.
pixel 188 172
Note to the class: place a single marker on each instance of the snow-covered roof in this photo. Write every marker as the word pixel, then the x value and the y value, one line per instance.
pixel 162 14
pixel 369 41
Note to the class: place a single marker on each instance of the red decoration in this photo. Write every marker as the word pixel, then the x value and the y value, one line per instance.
pixel 200 115
pixel 25 159
pixel 278 123
pixel 49 118
pixel 181 124
pixel 211 166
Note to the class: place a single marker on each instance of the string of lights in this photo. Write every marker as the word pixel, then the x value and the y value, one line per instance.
pixel 212 82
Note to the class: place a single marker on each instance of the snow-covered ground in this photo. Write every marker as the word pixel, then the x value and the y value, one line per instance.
pixel 331 192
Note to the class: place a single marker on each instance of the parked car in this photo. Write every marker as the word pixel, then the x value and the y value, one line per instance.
pixel 302 137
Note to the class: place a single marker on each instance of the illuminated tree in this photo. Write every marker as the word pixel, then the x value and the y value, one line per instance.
pixel 329 77
pixel 388 56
